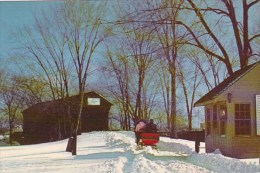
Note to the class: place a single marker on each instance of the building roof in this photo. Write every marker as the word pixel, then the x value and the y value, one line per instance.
pixel 223 86
pixel 73 99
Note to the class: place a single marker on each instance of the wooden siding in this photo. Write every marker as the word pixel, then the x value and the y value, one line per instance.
pixel 245 147
pixel 49 121
pixel 243 92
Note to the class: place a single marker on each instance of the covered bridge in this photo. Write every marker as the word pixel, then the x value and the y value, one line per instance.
pixel 52 120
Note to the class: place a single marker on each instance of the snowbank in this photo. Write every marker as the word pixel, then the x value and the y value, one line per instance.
pixel 116 152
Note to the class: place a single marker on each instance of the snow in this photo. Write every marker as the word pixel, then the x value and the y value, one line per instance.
pixel 116 152
pixel 1 137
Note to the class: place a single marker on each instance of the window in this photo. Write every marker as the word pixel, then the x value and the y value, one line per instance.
pixel 222 119
pixel 215 109
pixel 208 131
pixel 242 119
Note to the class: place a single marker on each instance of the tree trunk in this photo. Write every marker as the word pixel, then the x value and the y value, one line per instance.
pixel 74 144
pixel 173 101
pixel 190 121
pixel 11 134
pixel 77 127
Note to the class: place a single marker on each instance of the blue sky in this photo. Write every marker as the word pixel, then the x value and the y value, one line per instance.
pixel 14 15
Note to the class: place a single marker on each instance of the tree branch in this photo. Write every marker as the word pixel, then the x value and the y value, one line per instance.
pixel 253 3
pixel 255 36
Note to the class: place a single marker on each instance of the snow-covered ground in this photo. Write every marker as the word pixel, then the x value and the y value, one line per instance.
pixel 115 152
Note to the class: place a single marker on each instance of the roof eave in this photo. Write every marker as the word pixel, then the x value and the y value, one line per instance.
pixel 197 104
pixel 202 101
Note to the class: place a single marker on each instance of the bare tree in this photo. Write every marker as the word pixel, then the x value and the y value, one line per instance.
pixel 83 33
pixel 164 79
pixel 189 79
pixel 210 40
pixel 62 44
pixel 12 102
pixel 120 68
pixel 171 40
pixel 45 48
pixel 141 46
pixel 161 17
pixel 130 63
pixel 32 89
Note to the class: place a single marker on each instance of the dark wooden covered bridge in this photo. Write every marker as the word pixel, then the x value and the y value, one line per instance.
pixel 52 120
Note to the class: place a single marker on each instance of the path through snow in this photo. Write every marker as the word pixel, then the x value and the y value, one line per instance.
pixel 115 152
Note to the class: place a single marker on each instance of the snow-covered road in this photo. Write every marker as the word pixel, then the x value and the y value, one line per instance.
pixel 115 152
